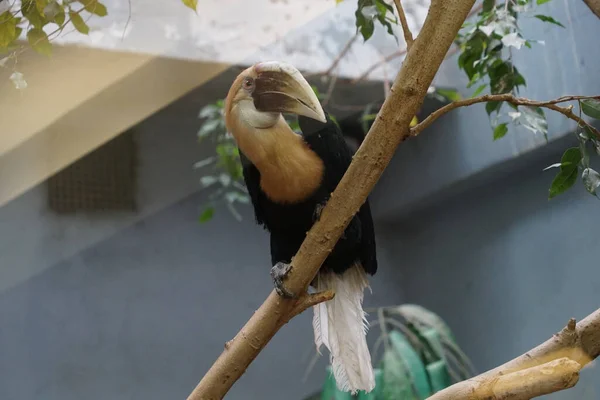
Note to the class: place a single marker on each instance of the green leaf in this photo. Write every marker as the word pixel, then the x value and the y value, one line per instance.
pixel 8 29
pixel 365 26
pixel 78 23
pixel 591 107
pixel 95 7
pixel 591 180
pixel 191 4
pixel 450 94
pixel 541 2
pixel 570 158
pixel 551 20
pixel 479 90
pixel 208 180
pixel 38 40
pixel 488 5
pixel 209 110
pixel 40 5
pixel 207 214
pixel 500 131
pixel 492 106
pixel 534 119
pixel 569 167
pixel 55 13
pixel 31 13
pixel 562 182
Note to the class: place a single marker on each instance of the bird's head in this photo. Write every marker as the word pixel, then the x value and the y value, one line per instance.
pixel 262 92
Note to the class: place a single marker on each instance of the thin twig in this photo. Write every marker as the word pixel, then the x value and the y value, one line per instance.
pixel 127 22
pixel 309 300
pixel 339 57
pixel 327 98
pixel 401 52
pixel 519 101
pixel 408 37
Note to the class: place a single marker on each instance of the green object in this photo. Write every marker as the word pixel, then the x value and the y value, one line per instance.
pixel 438 375
pixel 376 393
pixel 413 362
pixel 330 390
pixel 396 380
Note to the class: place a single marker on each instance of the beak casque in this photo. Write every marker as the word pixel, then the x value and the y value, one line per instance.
pixel 280 87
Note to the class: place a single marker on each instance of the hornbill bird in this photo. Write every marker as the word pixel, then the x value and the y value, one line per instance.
pixel 289 178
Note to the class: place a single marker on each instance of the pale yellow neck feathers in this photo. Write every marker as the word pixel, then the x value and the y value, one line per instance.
pixel 290 171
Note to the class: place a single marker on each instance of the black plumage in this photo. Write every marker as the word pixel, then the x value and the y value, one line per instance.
pixel 289 223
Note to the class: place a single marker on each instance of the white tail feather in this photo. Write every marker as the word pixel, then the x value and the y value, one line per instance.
pixel 341 326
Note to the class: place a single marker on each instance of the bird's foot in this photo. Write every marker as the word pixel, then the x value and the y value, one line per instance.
pixel 279 273
pixel 317 212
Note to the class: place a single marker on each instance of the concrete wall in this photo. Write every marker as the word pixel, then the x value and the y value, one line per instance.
pixel 503 266
pixel 138 305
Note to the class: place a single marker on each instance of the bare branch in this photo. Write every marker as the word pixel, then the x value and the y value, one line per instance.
pixel 551 104
pixel 389 129
pixel 339 57
pixel 579 343
pixel 408 37
pixel 594 5
pixel 376 65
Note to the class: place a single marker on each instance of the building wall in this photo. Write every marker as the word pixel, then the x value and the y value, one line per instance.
pixel 138 305
pixel 505 267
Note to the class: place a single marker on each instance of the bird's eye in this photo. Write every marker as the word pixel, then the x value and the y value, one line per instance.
pixel 248 83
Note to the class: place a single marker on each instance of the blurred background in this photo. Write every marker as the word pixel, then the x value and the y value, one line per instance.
pixel 122 274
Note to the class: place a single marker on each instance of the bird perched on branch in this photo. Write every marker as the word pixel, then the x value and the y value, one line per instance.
pixel 289 178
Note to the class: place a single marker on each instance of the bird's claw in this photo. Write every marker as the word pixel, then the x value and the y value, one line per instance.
pixel 279 273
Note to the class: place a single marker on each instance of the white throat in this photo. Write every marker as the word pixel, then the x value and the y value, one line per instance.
pixel 256 119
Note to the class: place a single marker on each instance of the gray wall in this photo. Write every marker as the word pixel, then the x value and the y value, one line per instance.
pixel 138 306
pixel 505 267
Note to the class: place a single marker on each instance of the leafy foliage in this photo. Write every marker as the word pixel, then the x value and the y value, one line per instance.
pixel 226 178
pixel 577 159
pixel 486 46
pixel 369 11
pixel 36 18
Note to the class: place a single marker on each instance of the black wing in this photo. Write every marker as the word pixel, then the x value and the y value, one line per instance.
pixel 252 179
pixel 327 141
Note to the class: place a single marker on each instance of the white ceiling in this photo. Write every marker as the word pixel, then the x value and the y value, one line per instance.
pixel 308 33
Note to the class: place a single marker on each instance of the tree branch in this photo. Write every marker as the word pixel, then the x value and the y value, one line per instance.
pixel 594 5
pixel 540 380
pixel 578 343
pixel 389 129
pixel 408 37
pixel 551 104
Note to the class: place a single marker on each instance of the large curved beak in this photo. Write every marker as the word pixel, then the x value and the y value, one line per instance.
pixel 280 87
